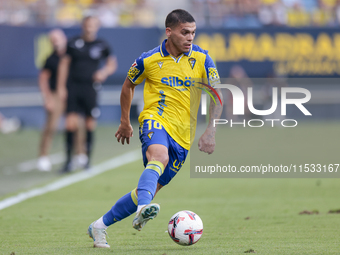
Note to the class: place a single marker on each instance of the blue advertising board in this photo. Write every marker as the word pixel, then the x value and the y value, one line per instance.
pixel 261 52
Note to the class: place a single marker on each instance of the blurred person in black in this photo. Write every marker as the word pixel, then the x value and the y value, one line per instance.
pixel 78 81
pixel 53 105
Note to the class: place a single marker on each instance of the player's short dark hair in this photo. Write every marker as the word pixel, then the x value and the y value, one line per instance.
pixel 86 18
pixel 178 16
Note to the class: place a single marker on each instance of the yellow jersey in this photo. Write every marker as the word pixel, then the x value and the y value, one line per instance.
pixel 171 94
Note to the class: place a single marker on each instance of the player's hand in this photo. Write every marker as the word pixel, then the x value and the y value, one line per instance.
pixel 207 142
pixel 49 103
pixel 99 76
pixel 62 93
pixel 124 132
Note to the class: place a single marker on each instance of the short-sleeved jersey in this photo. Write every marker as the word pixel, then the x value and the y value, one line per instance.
pixel 171 95
pixel 51 64
pixel 86 57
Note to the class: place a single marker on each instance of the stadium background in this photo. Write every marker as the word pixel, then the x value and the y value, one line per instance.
pixel 291 38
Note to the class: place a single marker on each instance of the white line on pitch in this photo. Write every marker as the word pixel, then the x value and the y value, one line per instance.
pixel 32 164
pixel 74 178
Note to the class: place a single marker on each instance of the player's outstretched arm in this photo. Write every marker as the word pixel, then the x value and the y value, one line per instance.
pixel 206 142
pixel 125 131
pixel 63 69
pixel 108 69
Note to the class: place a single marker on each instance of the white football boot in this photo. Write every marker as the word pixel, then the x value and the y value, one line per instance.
pixel 44 164
pixel 98 235
pixel 147 213
pixel 81 160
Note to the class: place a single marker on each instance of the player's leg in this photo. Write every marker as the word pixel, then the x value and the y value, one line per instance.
pixel 71 123
pixel 175 158
pixel 52 119
pixel 44 163
pixel 154 160
pixel 157 156
pixel 159 186
pixel 80 158
pixel 90 124
pixel 92 112
pixel 127 204
pixel 124 207
pixel 155 144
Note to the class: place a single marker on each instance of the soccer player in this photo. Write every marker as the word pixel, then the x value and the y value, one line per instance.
pixel 52 103
pixel 79 70
pixel 166 121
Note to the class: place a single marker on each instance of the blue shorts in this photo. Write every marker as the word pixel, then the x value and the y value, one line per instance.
pixel 152 132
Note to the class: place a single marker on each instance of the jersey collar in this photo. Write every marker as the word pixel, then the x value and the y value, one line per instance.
pixel 165 53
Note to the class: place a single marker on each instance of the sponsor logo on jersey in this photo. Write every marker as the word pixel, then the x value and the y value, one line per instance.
pixel 160 64
pixel 95 52
pixel 177 165
pixel 173 81
pixel 161 103
pixel 192 62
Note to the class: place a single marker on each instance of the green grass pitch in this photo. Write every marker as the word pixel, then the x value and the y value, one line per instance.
pixel 239 215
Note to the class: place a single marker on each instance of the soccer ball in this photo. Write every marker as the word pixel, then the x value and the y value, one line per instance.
pixel 185 228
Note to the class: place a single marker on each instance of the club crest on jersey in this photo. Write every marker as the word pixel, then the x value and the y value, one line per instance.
pixel 150 135
pixel 192 62
pixel 95 52
pixel 160 64
pixel 79 43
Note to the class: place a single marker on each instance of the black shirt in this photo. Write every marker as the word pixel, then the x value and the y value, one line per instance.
pixel 86 57
pixel 51 64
